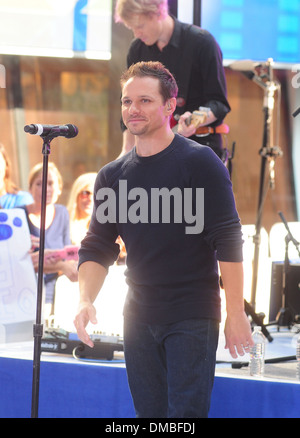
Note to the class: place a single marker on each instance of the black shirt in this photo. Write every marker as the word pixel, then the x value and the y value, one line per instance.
pixel 172 275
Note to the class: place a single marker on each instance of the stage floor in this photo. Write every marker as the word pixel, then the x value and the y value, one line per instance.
pixel 278 353
pixel 280 350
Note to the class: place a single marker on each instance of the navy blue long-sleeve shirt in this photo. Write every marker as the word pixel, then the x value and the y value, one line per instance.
pixel 172 275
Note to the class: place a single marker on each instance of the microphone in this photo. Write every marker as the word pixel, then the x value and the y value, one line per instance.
pixel 68 131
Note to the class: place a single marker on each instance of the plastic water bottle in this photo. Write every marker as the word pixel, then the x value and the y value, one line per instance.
pixel 257 353
pixel 298 357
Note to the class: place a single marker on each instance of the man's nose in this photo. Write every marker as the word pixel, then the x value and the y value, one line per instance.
pixel 133 109
pixel 137 34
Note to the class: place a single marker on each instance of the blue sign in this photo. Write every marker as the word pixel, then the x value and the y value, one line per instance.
pixel 255 29
pixel 80 26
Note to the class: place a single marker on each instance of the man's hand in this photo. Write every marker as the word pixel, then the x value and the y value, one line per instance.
pixel 86 313
pixel 187 125
pixel 187 130
pixel 237 330
pixel 238 334
pixel 91 276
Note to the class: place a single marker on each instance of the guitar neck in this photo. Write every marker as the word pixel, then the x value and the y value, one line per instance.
pixel 197 118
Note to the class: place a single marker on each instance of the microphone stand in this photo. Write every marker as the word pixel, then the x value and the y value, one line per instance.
pixel 48 133
pixel 268 154
pixel 262 75
pixel 38 326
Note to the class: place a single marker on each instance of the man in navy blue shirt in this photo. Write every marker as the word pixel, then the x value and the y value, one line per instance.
pixel 170 199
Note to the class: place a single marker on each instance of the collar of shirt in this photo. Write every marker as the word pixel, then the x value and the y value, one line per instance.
pixel 176 36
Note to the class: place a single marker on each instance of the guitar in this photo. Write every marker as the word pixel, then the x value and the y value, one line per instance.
pixel 197 118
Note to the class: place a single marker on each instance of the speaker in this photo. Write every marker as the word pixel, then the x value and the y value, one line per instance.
pixel 292 293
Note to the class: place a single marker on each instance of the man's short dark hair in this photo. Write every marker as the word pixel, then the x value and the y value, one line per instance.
pixel 154 69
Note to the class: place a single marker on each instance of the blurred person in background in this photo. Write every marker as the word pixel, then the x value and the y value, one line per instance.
pixel 194 58
pixel 80 206
pixel 10 195
pixel 57 229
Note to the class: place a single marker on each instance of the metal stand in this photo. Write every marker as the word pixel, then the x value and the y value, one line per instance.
pixel 38 327
pixel 284 317
pixel 49 132
pixel 262 75
pixel 268 155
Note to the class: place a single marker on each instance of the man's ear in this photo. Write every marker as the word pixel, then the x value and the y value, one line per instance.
pixel 171 105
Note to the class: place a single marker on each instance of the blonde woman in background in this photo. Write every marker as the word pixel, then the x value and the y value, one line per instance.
pixel 57 229
pixel 80 206
pixel 10 195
